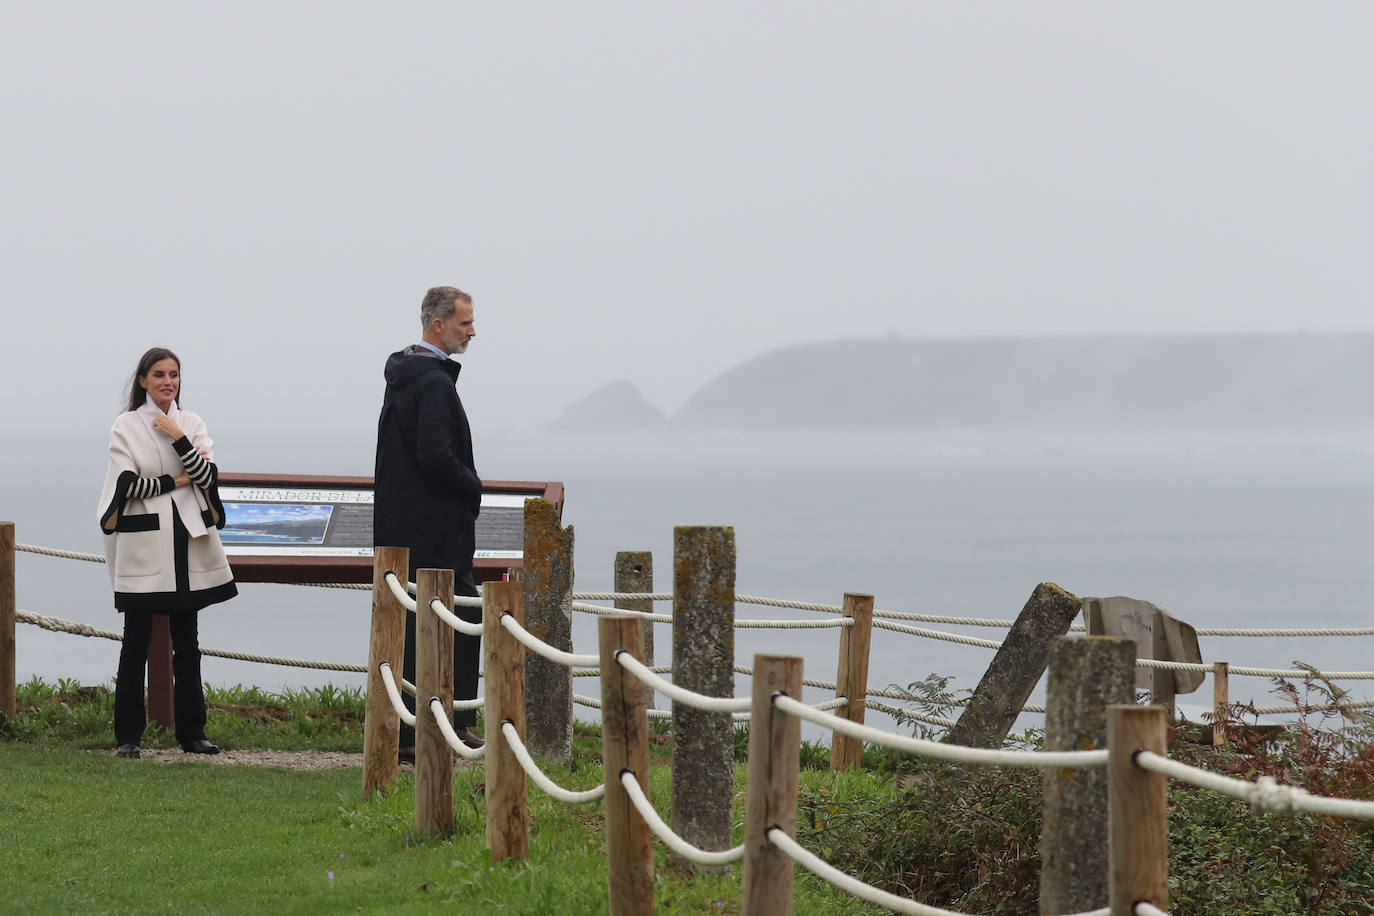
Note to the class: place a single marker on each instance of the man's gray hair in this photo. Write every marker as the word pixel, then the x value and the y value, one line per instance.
pixel 440 302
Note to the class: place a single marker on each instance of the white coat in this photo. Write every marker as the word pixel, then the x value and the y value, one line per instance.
pixel 146 568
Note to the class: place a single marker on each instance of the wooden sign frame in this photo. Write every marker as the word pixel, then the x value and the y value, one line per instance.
pixel 265 567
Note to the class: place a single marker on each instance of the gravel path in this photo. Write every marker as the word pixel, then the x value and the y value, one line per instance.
pixel 287 760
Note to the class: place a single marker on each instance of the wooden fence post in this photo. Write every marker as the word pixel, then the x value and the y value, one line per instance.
pixel 703 662
pixel 625 746
pixel 771 796
pixel 1163 685
pixel 1138 809
pixel 381 725
pixel 547 578
pixel 507 820
pixel 634 572
pixel 161 703
pixel 851 679
pixel 433 678
pixel 1221 698
pixel 1087 675
pixel 8 688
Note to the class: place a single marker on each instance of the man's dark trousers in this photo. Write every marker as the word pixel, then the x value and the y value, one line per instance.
pixel 467 655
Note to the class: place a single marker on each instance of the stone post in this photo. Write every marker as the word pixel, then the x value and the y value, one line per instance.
pixel 1086 676
pixel 703 662
pixel 1016 668
pixel 634 572
pixel 547 584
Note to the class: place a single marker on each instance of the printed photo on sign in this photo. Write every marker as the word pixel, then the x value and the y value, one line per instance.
pixel 248 523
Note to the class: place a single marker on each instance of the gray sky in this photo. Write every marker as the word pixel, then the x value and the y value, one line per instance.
pixel 656 193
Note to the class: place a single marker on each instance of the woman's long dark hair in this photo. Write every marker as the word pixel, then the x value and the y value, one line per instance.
pixel 137 395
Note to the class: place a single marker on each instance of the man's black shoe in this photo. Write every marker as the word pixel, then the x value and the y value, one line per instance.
pixel 129 750
pixel 200 746
pixel 469 738
pixel 406 754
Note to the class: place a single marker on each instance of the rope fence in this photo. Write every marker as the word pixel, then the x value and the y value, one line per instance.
pixel 770 710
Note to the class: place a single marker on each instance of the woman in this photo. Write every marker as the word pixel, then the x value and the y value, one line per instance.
pixel 160 513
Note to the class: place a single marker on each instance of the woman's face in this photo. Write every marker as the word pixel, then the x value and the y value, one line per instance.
pixel 162 382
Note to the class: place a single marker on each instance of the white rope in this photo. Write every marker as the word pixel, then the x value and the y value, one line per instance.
pixel 436 708
pixel 453 620
pixel 401 594
pixel 680 694
pixel 541 780
pixel 58 625
pixel 665 833
pixel 953 752
pixel 1251 631
pixel 753 623
pixel 408 717
pixel 1259 672
pixel 806 681
pixel 63 554
pixel 824 870
pixel 580 597
pixel 651 713
pixel 1303 710
pixel 620 612
pixel 900 714
pixel 937 634
pixel 1145 908
pixel 541 648
pixel 1265 793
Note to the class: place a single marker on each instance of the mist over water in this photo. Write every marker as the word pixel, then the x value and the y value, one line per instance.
pixel 1257 528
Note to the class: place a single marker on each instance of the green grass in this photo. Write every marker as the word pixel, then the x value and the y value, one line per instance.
pixel 86 832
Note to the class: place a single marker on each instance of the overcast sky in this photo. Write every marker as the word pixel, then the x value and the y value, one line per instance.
pixel 655 192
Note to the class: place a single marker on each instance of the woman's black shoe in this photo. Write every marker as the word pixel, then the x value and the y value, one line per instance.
pixel 129 750
pixel 202 746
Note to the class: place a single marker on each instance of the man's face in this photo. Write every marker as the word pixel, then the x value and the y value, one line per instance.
pixel 455 333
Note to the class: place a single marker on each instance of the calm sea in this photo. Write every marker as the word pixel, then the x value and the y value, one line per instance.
pixel 1257 528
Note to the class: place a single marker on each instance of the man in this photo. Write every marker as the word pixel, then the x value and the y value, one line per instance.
pixel 427 490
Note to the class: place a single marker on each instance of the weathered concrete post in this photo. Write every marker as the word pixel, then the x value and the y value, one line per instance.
pixel 1086 676
pixel 381 725
pixel 1138 810
pixel 634 572
pixel 1016 668
pixel 8 615
pixel 625 746
pixel 851 679
pixel 547 581
pixel 771 798
pixel 507 793
pixel 433 678
pixel 703 662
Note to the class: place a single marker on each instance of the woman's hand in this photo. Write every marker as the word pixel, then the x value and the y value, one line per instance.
pixel 168 427
pixel 180 480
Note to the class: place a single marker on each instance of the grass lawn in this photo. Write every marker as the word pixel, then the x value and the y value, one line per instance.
pixel 86 832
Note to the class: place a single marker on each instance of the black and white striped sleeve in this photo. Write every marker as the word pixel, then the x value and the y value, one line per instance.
pixel 201 472
pixel 148 487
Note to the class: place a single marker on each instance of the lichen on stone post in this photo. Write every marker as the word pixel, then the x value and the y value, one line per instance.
pixel 546 586
pixel 703 662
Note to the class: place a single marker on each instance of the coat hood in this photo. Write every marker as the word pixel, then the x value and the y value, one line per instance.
pixel 404 366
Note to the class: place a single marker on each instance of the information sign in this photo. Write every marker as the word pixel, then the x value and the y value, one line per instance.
pixel 319 529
